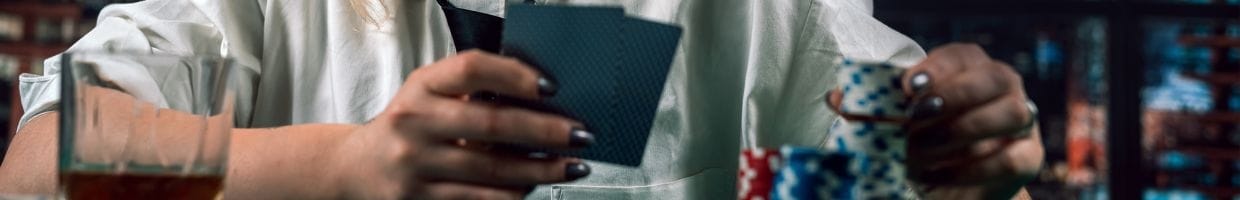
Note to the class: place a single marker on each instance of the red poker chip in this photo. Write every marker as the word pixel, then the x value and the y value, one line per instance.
pixel 757 171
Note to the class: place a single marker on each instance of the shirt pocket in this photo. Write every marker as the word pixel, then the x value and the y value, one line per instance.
pixel 712 183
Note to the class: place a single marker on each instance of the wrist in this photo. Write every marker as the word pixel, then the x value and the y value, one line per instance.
pixel 291 162
pixel 318 168
pixel 347 164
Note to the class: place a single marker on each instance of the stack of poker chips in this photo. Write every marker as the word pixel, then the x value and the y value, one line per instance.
pixel 862 157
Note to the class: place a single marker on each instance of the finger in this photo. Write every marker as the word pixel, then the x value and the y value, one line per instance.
pixel 834 97
pixel 941 64
pixel 454 190
pixel 505 150
pixel 923 161
pixel 458 164
pixel 994 162
pixel 1003 117
pixel 474 71
pixel 451 119
pixel 963 92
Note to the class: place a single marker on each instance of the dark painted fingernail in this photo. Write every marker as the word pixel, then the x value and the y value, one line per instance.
pixel 547 87
pixel 580 138
pixel 927 108
pixel 576 170
pixel 920 81
pixel 538 155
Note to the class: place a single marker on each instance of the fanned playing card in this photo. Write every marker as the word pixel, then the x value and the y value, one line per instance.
pixel 610 70
pixel 647 55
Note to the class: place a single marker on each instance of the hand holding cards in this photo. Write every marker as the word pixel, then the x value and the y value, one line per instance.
pixel 610 70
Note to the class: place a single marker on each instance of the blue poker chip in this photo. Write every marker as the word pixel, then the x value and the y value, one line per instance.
pixel 812 173
pixel 809 173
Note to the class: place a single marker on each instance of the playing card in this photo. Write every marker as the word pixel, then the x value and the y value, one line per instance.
pixel 648 49
pixel 610 70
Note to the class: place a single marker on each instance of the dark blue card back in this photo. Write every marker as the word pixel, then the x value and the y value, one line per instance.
pixel 610 70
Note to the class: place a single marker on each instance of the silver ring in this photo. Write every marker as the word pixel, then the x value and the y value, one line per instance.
pixel 1033 108
pixel 1033 117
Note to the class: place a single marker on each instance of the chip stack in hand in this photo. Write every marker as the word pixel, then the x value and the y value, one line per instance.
pixel 874 108
pixel 862 158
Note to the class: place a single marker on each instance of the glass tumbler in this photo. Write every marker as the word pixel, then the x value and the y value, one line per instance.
pixel 144 126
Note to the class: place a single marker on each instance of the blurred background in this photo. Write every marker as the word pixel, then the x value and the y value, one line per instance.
pixel 1139 99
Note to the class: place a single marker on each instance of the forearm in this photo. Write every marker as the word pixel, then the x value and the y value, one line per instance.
pixel 30 162
pixel 263 163
pixel 291 162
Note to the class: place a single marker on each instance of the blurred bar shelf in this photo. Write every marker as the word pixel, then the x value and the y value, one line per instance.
pixel 1061 7
pixel 1213 191
pixel 1210 41
pixel 31 49
pixel 40 9
pixel 1210 153
pixel 1221 117
pixel 1216 78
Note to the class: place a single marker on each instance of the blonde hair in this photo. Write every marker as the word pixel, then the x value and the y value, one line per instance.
pixel 373 12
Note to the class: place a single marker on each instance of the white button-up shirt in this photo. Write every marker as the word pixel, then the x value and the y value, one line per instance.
pixel 743 67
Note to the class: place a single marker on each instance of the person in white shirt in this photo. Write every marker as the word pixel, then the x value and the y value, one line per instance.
pixel 363 99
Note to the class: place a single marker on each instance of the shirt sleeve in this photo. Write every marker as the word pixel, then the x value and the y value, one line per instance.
pixel 158 26
pixel 792 64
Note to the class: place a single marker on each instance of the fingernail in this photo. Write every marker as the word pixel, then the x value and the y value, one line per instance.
pixel 576 170
pixel 920 81
pixel 538 155
pixel 580 138
pixel 546 87
pixel 928 108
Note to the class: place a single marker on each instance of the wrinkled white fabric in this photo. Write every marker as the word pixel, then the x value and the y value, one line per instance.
pixel 758 67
